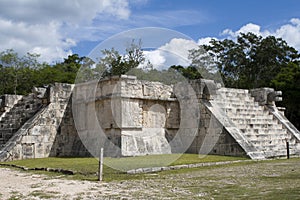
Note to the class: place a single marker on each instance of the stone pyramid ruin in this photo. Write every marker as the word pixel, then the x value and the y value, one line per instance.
pixel 141 117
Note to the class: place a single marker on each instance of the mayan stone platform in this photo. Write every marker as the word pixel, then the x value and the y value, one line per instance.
pixel 130 117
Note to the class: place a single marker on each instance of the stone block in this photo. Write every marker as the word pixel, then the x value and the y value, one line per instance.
pixel 144 141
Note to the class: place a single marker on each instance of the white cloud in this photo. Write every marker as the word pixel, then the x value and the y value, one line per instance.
pixel 36 38
pixel 174 52
pixel 205 41
pixel 179 47
pixel 155 58
pixel 253 28
pixel 69 11
pixel 290 32
pixel 169 18
pixel 50 28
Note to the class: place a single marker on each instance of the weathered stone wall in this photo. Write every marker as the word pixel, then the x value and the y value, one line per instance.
pixel 213 137
pixel 35 138
pixel 142 117
pixel 136 118
pixel 67 141
pixel 146 116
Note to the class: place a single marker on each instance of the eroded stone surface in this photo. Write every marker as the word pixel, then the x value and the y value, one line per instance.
pixel 130 117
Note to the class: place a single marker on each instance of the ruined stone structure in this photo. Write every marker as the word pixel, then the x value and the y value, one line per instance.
pixel 140 117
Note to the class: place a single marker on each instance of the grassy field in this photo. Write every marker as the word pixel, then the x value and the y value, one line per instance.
pixel 114 168
pixel 270 179
pixel 274 180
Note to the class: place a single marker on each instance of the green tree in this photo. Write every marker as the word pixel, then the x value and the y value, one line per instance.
pixel 7 80
pixel 288 81
pixel 87 71
pixel 18 74
pixel 10 59
pixel 112 63
pixel 67 70
pixel 252 61
pixel 188 72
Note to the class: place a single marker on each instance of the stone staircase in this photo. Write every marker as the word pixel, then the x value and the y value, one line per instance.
pixel 15 117
pixel 256 123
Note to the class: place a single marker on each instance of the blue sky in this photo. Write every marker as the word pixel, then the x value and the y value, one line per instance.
pixel 198 19
pixel 209 18
pixel 56 28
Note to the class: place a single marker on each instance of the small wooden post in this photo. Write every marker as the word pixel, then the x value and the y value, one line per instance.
pixel 100 165
pixel 287 149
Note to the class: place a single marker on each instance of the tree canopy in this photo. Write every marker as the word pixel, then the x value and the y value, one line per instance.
pixel 288 81
pixel 115 64
pixel 250 62
pixel 18 75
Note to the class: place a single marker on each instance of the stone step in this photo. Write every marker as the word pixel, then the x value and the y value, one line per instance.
pixel 279 147
pixel 237 106
pixel 250 105
pixel 266 136
pixel 260 126
pixel 228 95
pixel 23 110
pixel 249 116
pixel 274 148
pixel 12 115
pixel 246 118
pixel 276 153
pixel 14 119
pixel 234 90
pixel 234 99
pixel 237 98
pixel 267 142
pixel 262 143
pixel 254 121
pixel 264 131
pixel 26 106
pixel 279 135
pixel 250 112
pixel 237 101
pixel 231 109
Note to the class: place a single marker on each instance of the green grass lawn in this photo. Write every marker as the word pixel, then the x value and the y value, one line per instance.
pixel 125 164
pixel 114 168
pixel 268 179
